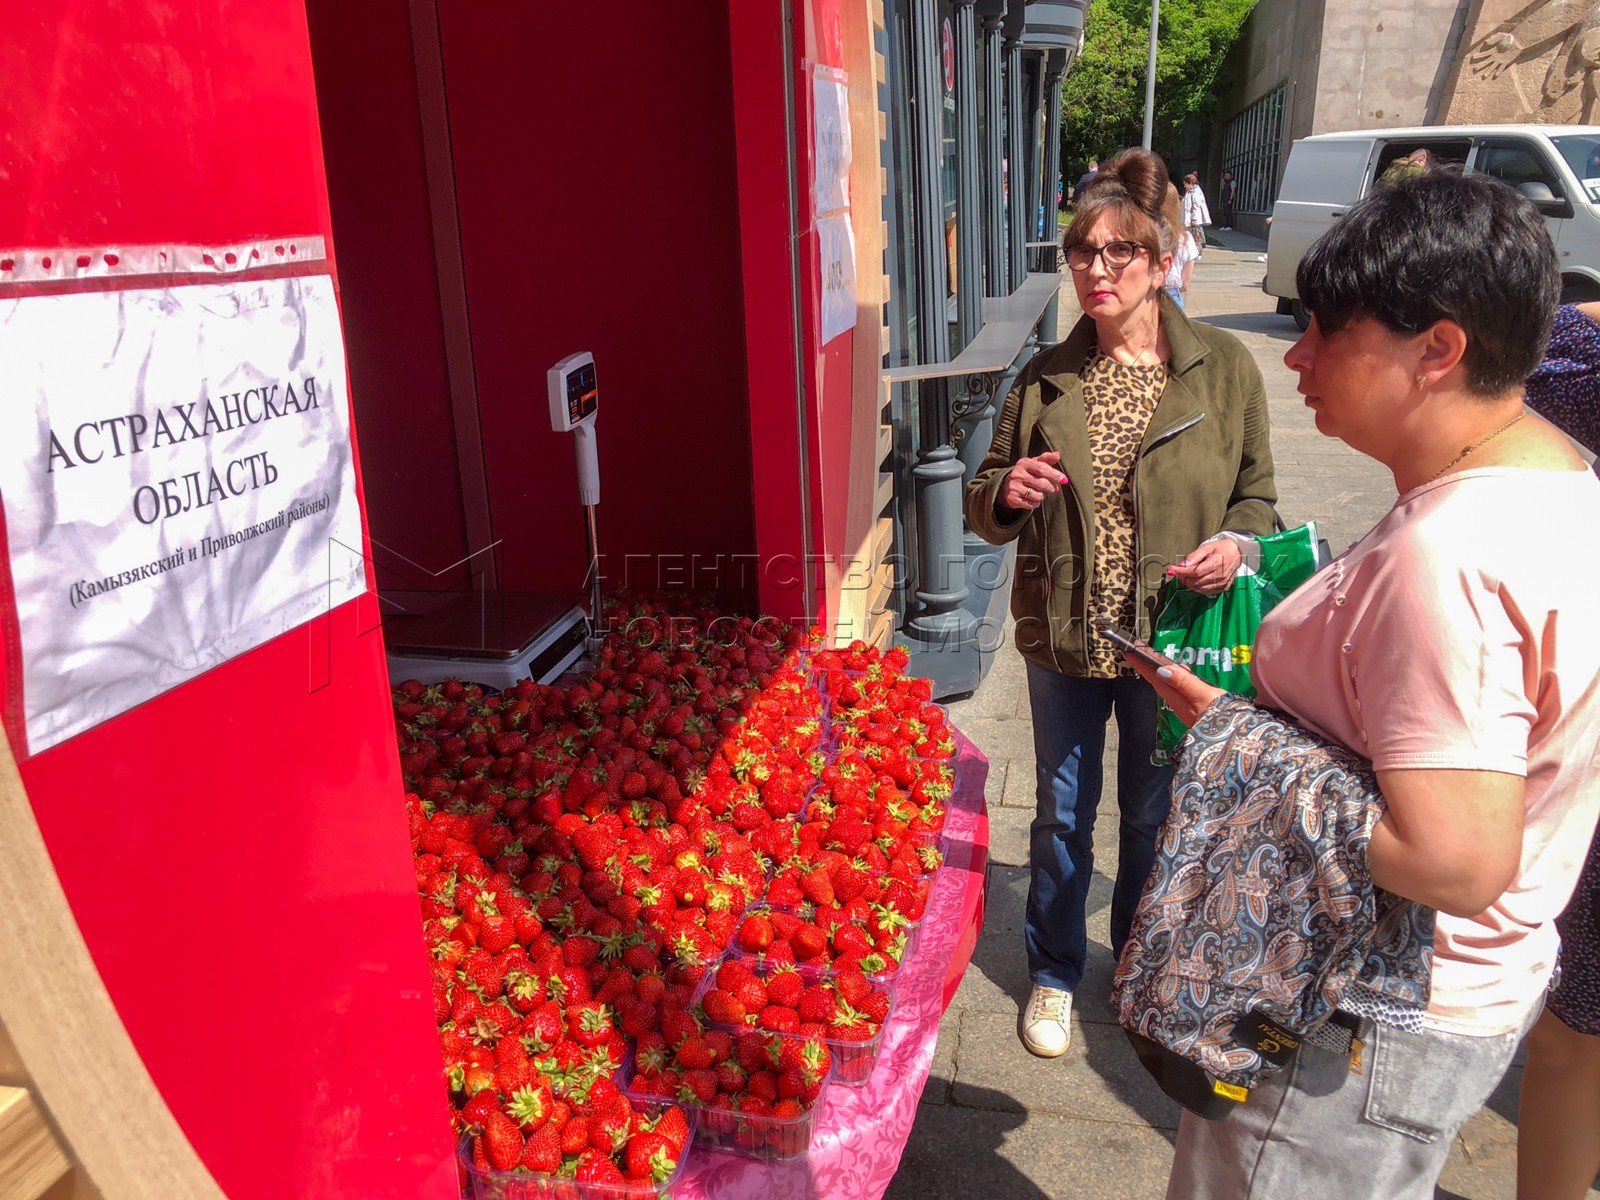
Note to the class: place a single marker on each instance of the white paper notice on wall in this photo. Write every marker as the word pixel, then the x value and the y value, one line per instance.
pixel 179 485
pixel 830 166
pixel 837 262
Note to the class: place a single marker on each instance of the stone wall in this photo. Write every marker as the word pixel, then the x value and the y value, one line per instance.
pixel 1534 62
pixel 1382 62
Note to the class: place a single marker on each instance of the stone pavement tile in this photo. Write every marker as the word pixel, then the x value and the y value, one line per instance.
pixel 943 1072
pixel 998 737
pixel 1098 1078
pixel 1020 778
pixel 1003 693
pixel 1008 835
pixel 985 1154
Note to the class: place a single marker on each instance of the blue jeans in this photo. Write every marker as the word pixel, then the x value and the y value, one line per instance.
pixel 1069 735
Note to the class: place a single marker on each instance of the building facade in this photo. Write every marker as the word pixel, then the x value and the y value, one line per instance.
pixel 1305 67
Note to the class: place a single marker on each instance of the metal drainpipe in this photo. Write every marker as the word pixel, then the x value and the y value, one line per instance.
pixel 1052 178
pixel 969 194
pixel 1017 169
pixel 937 618
pixel 994 126
pixel 1035 155
pixel 790 115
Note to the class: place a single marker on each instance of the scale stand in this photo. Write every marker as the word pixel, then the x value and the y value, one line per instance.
pixel 574 403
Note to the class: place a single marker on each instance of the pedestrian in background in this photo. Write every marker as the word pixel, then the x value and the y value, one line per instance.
pixel 1196 216
pixel 1117 460
pixel 1450 648
pixel 1085 180
pixel 1558 1116
pixel 1227 192
pixel 1183 250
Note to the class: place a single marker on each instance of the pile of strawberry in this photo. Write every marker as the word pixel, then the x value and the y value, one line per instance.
pixel 585 856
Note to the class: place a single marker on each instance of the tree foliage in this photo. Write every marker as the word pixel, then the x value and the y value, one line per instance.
pixel 1102 96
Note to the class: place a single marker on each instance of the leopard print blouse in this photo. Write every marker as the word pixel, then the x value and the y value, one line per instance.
pixel 1118 401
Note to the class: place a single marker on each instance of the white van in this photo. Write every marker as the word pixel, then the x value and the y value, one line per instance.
pixel 1555 166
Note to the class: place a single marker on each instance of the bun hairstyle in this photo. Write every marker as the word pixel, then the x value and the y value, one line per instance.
pixel 1191 180
pixel 1131 191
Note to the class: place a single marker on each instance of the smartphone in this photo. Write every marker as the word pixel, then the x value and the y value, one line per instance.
pixel 1126 642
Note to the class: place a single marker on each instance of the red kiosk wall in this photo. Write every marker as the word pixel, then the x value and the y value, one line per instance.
pixel 595 183
pixel 389 288
pixel 234 851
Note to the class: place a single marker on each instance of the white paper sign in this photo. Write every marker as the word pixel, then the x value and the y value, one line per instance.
pixel 830 180
pixel 178 484
pixel 838 265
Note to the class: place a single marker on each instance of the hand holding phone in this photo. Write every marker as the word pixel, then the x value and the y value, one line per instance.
pixel 1132 646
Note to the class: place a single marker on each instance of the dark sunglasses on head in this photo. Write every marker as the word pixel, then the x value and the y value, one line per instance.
pixel 1116 254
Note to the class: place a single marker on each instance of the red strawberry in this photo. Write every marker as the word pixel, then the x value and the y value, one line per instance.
pixel 784 987
pixel 779 1019
pixel 723 1008
pixel 502 1142
pixel 808 942
pixel 817 886
pixel 651 1156
pixel 755 934
pixel 542 1152
pixel 694 1054
pixel 816 1005
pixel 698 1086
pixel 575 1136
pixel 673 1125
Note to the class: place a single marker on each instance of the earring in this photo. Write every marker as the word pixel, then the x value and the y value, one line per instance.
pixel 1422 381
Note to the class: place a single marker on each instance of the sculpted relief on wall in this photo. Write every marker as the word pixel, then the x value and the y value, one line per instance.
pixel 1536 62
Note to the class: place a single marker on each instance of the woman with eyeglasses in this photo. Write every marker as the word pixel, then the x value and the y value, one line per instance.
pixel 1124 457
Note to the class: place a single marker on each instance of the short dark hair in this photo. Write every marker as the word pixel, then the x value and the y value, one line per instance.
pixel 1442 246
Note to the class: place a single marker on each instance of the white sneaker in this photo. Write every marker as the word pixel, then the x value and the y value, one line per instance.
pixel 1046 1022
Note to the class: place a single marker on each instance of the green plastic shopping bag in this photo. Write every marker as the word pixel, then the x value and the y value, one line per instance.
pixel 1214 636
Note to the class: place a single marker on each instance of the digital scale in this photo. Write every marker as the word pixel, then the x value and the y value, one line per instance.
pixel 497 638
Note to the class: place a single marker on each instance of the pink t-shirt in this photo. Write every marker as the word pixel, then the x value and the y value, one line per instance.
pixel 1461 632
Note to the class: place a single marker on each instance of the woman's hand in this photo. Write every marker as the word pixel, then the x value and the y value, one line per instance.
pixel 1210 568
pixel 1185 692
pixel 1031 480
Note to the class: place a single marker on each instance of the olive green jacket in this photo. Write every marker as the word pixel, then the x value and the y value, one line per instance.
pixel 1205 465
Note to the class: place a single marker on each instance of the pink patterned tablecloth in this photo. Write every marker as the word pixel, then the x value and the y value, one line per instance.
pixel 859 1133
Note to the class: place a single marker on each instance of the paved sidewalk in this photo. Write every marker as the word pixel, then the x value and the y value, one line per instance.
pixel 997 1123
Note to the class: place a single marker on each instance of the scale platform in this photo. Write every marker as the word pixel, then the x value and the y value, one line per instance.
pixel 491 637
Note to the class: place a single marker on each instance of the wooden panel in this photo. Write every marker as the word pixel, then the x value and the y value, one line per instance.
pixel 885 492
pixel 882 538
pixel 885 442
pixel 70 1038
pixel 883 589
pixel 30 1157
pixel 880 629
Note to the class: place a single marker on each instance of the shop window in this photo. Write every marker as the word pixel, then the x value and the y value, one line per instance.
pixel 1252 148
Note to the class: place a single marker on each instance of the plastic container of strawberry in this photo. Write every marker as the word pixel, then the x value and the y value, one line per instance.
pixel 825 917
pixel 489 1184
pixel 853 1059
pixel 721 1128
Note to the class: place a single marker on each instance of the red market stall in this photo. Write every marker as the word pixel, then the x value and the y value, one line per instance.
pixel 281 284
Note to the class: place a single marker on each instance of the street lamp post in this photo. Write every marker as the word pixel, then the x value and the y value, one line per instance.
pixel 1150 76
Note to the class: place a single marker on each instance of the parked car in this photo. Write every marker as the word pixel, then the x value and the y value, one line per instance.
pixel 1555 166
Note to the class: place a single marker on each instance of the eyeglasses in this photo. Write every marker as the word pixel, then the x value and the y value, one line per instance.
pixel 1116 254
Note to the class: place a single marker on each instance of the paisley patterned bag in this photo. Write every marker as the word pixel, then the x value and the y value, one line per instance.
pixel 1261 900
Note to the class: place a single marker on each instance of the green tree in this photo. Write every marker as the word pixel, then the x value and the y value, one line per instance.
pixel 1102 97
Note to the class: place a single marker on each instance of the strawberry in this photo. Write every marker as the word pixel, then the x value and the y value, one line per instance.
pixel 651 1156
pixel 723 1008
pixel 542 1152
pixel 784 987
pixel 755 934
pixel 575 1136
pixel 694 1054
pixel 589 1023
pixel 817 886
pixel 673 1126
pixel 808 942
pixel 816 1005
pixel 502 1142
pixel 779 1019
pixel 698 1086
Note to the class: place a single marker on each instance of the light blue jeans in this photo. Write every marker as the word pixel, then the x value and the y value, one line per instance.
pixel 1317 1131
pixel 1069 736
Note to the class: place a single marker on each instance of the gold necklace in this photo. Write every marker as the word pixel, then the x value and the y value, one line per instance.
pixel 1155 337
pixel 1483 441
